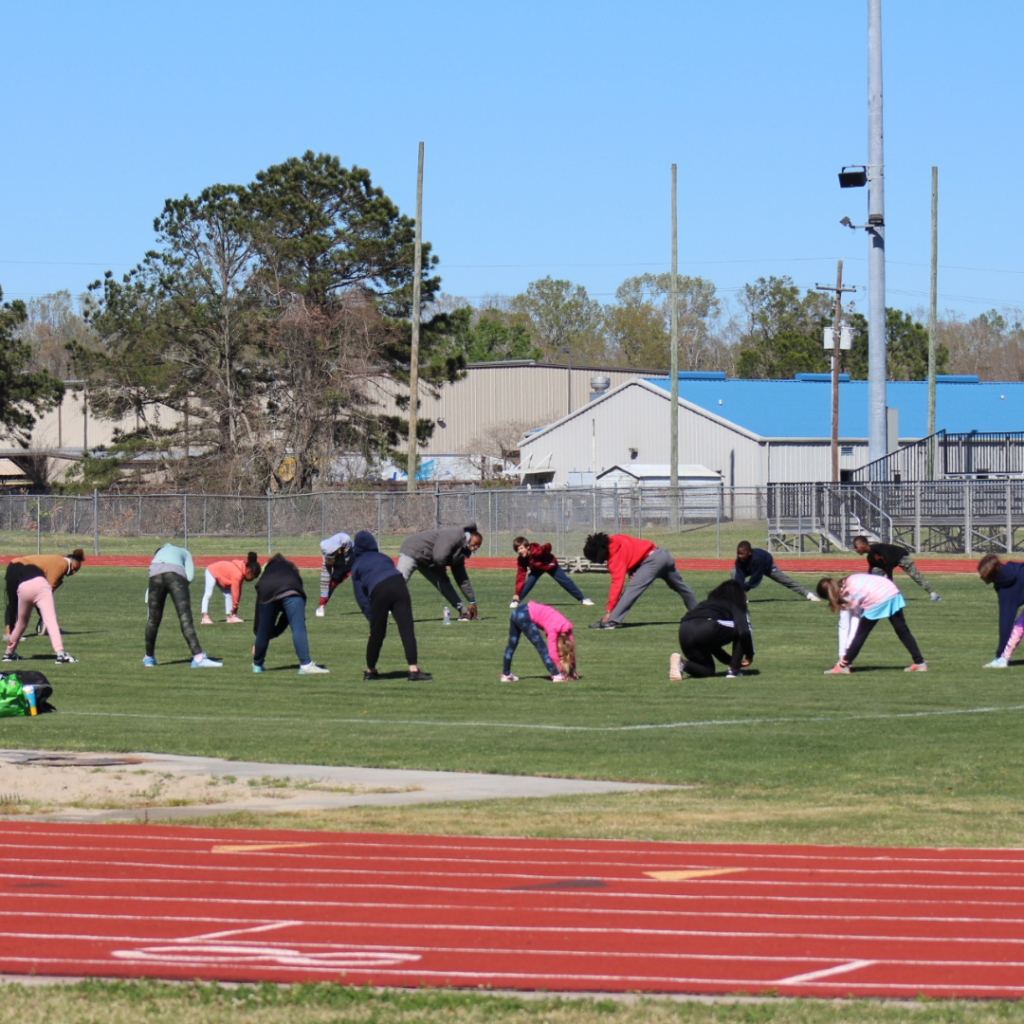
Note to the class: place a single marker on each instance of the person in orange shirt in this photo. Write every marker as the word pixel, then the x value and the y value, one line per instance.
pixel 229 576
pixel 56 568
pixel 643 562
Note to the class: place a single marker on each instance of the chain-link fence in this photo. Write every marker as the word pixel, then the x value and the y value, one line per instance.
pixel 563 518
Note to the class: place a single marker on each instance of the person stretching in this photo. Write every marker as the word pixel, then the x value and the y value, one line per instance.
pixel 704 632
pixel 884 558
pixel 280 604
pixel 379 588
pixel 432 551
pixel 337 555
pixel 753 564
pixel 170 573
pixel 1008 580
pixel 643 563
pixel 57 569
pixel 550 632
pixel 31 589
pixel 229 576
pixel 869 598
pixel 534 560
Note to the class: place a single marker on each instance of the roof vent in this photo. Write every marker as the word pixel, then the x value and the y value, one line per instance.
pixel 598 386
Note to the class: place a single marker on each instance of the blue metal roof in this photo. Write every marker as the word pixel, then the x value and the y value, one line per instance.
pixel 803 408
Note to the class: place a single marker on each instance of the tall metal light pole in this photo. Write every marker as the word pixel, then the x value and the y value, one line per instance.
pixel 673 458
pixel 877 437
pixel 933 302
pixel 414 355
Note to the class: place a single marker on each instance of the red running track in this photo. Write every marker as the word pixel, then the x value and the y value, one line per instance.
pixel 559 915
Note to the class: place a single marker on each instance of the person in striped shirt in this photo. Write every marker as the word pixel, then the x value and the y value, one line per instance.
pixel 866 600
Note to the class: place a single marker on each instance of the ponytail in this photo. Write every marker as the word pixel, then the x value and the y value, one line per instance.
pixel 252 564
pixel 831 590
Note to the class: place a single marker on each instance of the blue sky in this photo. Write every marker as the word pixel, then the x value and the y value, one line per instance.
pixel 550 129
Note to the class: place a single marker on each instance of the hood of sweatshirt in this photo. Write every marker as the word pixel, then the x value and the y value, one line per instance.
pixel 364 542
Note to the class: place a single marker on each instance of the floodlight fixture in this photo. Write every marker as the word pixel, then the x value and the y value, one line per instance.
pixel 854 176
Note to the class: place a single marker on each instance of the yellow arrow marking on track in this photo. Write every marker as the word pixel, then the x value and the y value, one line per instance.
pixel 680 876
pixel 254 848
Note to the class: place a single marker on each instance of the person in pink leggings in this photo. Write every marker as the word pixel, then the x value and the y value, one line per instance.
pixel 33 590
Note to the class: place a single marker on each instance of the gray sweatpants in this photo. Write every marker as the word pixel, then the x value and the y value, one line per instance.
pixel 659 564
pixel 780 577
pixel 907 565
pixel 438 578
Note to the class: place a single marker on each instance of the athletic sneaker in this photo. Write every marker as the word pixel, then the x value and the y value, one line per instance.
pixel 233 619
pixel 420 677
pixel 514 603
pixel 40 628
pixel 838 670
pixel 675 667
pixel 13 656
pixel 813 597
pixel 587 603
pixel 370 674
pixel 733 675
pixel 65 659
pixel 256 669
pixel 313 669
pixel 935 597
pixel 205 620
pixel 921 666
pixel 509 678
pixel 602 625
pixel 997 663
pixel 149 662
pixel 202 660
pixel 319 613
pixel 559 678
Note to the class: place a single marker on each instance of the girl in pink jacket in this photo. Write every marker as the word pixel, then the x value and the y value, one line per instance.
pixel 229 577
pixel 550 632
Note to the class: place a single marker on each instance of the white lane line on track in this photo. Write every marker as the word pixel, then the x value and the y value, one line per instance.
pixel 547 980
pixel 640 727
pixel 828 972
pixel 234 932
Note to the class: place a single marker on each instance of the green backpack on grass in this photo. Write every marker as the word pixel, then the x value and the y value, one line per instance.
pixel 13 702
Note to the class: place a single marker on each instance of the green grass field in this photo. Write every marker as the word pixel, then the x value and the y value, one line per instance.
pixel 784 755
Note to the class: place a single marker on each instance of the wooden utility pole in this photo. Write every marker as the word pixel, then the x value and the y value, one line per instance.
pixel 837 326
pixel 414 356
pixel 673 458
pixel 933 326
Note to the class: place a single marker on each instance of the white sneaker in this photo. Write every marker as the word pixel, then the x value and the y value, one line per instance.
pixel 559 678
pixel 514 603
pixel 205 661
pixel 587 603
pixel 997 663
pixel 509 678
pixel 313 669
pixel 675 667
pixel 319 613
pixel 813 597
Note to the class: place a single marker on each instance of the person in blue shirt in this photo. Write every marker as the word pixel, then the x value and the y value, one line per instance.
pixel 380 588
pixel 753 564
pixel 170 573
pixel 1008 580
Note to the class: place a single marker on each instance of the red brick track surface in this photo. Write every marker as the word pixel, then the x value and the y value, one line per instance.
pixel 823 564
pixel 560 915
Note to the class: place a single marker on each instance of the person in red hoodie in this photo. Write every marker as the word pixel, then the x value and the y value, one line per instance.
pixel 643 562
pixel 534 561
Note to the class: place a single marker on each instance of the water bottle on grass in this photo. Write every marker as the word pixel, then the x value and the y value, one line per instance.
pixel 446 617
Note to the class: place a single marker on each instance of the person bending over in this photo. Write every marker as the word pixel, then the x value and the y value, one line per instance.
pixel 883 559
pixel 534 560
pixel 433 552
pixel 706 629
pixel 753 564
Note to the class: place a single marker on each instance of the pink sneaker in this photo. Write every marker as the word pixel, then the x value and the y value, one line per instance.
pixel 675 667
pixel 205 620
pixel 838 670
pixel 233 619
pixel 509 678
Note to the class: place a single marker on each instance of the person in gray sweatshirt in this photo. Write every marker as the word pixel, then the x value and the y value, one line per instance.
pixel 432 552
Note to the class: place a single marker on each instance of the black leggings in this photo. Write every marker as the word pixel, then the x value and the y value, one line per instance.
pixel 160 586
pixel 899 623
pixel 701 643
pixel 390 595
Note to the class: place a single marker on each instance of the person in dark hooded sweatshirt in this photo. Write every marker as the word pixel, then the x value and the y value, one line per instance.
pixel 380 588
pixel 280 603
pixel 705 630
pixel 1008 580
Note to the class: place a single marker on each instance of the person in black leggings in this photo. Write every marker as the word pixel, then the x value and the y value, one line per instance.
pixel 703 633
pixel 380 588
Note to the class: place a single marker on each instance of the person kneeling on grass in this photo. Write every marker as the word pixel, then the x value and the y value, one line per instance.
pixel 1008 580
pixel 866 599
pixel 379 589
pixel 704 632
pixel 170 573
pixel 229 576
pixel 550 632
pixel 280 603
